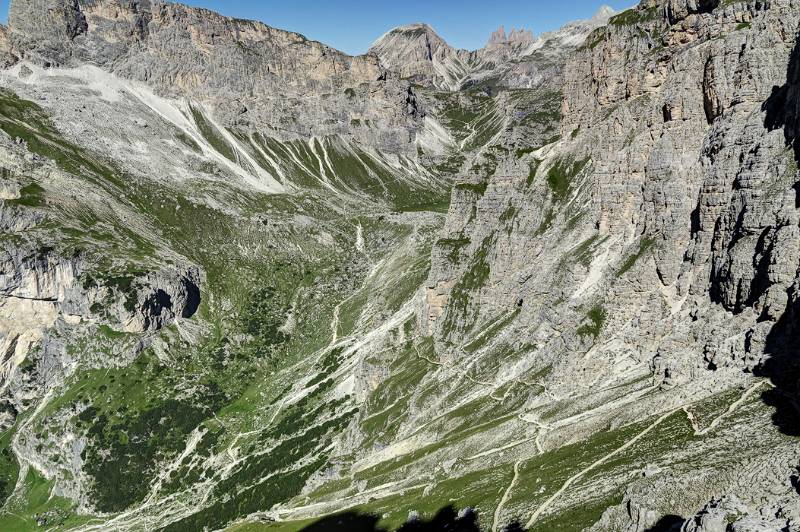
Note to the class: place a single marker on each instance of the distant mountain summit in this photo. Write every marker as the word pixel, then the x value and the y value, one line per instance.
pixel 417 53
pixel 520 36
pixel 604 13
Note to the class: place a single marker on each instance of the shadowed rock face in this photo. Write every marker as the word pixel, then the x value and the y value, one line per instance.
pixel 678 10
pixel 782 367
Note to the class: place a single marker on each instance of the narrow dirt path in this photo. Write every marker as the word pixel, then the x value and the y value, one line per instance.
pixel 506 496
pixel 426 359
pixel 571 480
pixel 25 462
pixel 717 420
pixel 495 450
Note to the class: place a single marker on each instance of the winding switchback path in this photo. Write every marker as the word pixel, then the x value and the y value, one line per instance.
pixel 546 504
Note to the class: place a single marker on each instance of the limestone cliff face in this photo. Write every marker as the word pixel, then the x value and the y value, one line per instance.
pixel 660 232
pixel 251 74
pixel 715 173
pixel 669 201
pixel 658 236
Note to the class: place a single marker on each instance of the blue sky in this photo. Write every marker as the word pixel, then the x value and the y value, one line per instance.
pixel 352 25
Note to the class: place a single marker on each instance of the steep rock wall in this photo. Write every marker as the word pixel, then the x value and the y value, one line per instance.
pixel 668 207
pixel 252 75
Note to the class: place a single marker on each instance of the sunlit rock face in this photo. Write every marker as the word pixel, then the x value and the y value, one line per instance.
pixel 248 280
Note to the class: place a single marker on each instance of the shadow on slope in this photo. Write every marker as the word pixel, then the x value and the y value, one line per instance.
pixel 446 519
pixel 668 523
pixel 783 106
pixel 782 367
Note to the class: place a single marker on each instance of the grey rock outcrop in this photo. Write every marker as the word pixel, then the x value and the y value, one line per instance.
pixel 137 302
pixel 660 228
pixel 711 206
pixel 281 79
pixel 418 53
pixel 49 27
pixel 729 514
pixel 678 10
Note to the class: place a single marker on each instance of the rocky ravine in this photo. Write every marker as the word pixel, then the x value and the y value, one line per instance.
pixel 247 281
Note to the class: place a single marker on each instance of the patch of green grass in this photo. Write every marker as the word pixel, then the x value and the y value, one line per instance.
pixel 573 222
pixel 9 467
pixel 644 245
pixel 595 38
pixel 110 333
pixel 705 411
pixel 261 481
pixel 212 135
pixel 124 284
pixel 473 279
pixel 26 120
pixel 584 252
pixel 39 503
pixel 263 316
pixel 479 189
pixel 545 111
pixel 532 170
pixel 134 444
pixel 388 406
pixel 597 318
pixel 188 141
pixel 454 247
pixel 561 174
pixel 31 195
pixel 441 207
pixel 547 472
pixel 507 217
pixel 633 16
pixel 579 517
pixel 478 489
pixel 451 165
pixel 490 331
pixel 547 221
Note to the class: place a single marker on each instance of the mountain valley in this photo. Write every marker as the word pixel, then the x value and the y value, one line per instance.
pixel 251 283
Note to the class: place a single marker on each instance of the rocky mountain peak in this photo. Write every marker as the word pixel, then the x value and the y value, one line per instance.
pixel 417 28
pixel 413 51
pixel 515 37
pixel 604 13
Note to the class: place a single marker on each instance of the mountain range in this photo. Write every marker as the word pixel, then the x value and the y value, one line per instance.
pixel 249 282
